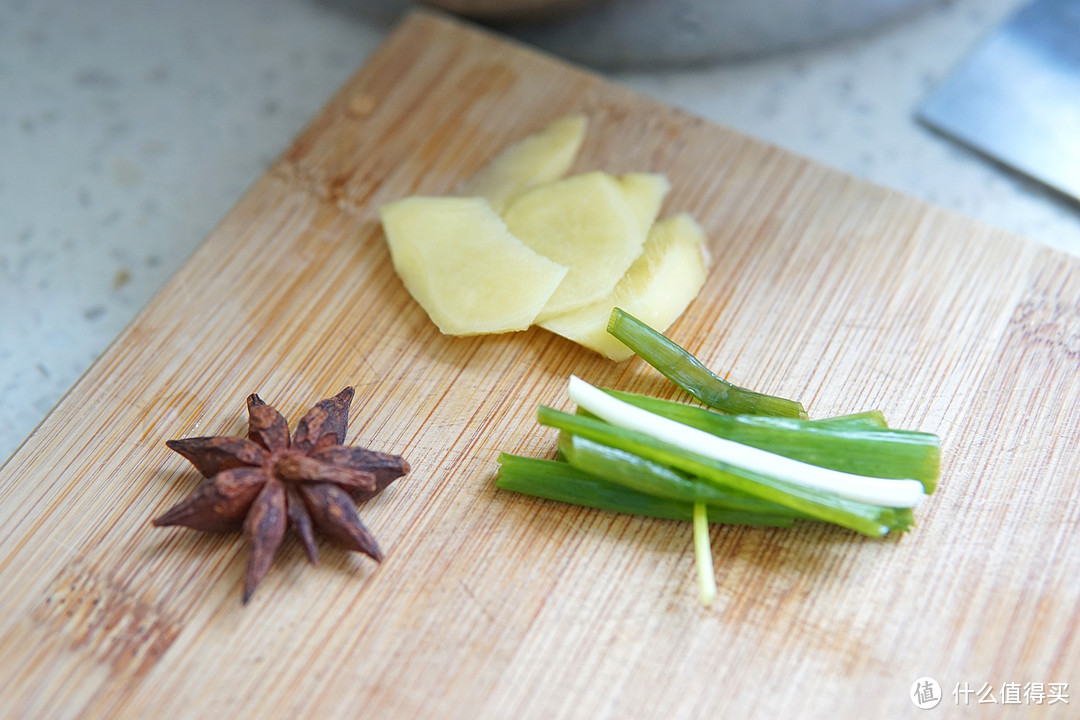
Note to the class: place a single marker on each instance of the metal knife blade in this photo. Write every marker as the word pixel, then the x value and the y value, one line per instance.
pixel 1016 97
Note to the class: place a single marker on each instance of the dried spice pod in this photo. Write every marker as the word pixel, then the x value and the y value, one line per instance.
pixel 268 481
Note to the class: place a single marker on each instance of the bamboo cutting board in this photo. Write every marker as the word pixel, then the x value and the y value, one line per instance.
pixel 493 605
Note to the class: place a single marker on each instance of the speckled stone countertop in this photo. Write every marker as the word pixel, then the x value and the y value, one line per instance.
pixel 128 129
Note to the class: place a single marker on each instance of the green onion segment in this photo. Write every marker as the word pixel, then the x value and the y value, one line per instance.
pixel 853 443
pixel 904 493
pixel 558 481
pixel 686 371
pixel 867 519
pixel 747 458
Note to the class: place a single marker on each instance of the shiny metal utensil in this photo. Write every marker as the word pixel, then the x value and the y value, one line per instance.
pixel 1016 97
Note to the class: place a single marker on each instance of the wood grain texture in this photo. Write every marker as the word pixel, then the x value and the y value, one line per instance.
pixel 491 605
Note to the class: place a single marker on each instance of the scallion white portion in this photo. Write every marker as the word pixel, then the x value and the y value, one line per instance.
pixel 875 491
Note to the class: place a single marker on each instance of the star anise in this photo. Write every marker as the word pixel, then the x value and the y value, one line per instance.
pixel 266 481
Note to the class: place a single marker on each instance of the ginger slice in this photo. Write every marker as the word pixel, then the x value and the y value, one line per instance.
pixel 584 223
pixel 657 288
pixel 469 273
pixel 542 157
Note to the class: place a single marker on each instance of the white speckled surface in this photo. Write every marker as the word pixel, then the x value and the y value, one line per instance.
pixel 128 129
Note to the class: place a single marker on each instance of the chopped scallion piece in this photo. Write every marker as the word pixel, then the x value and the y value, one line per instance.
pixel 903 493
pixel 872 520
pixel 559 481
pixel 759 461
pixel 686 371
pixel 645 476
pixel 869 420
pixel 844 444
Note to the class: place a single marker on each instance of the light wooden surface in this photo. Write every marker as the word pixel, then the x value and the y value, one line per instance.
pixel 492 605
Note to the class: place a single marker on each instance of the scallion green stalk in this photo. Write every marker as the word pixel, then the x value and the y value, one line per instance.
pixel 850 444
pixel 867 420
pixel 559 481
pixel 759 461
pixel 887 492
pixel 686 371
pixel 651 478
pixel 861 517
